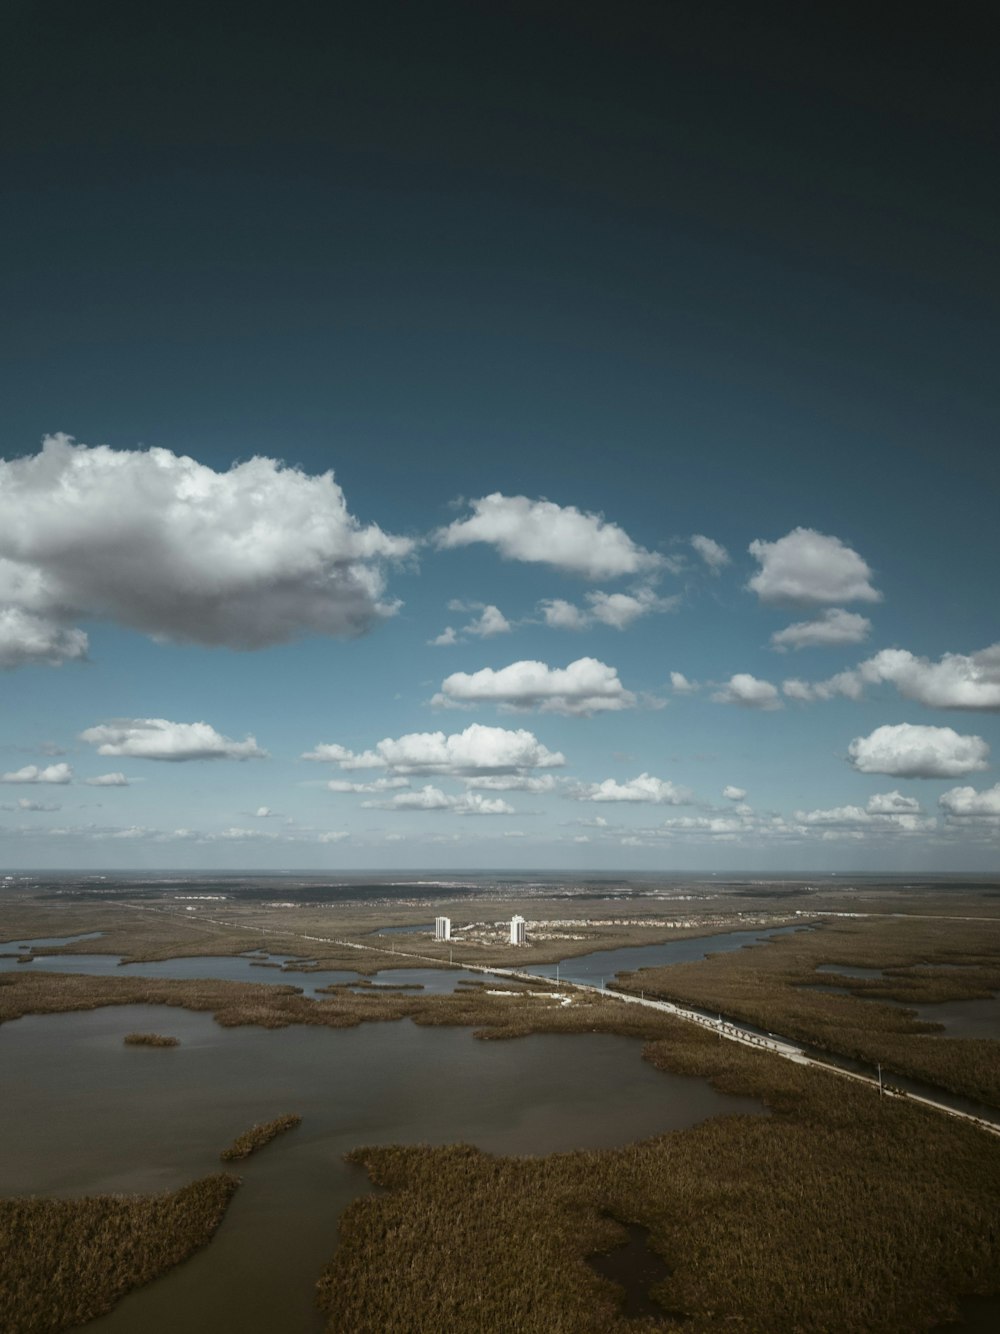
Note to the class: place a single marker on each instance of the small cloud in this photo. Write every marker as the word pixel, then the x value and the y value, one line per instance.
pixel 491 621
pixel 645 788
pixel 430 798
pixel 715 556
pixel 445 639
pixel 31 773
pixel 734 793
pixel 749 692
pixel 808 568
pixel 159 739
pixel 585 686
pixel 832 627
pixel 680 684
pixel 107 780
pixel 617 610
pixel 540 531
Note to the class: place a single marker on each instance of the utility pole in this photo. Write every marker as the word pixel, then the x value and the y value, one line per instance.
pixel 880 1079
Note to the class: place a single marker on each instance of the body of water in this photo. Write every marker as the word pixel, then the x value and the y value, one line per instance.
pixel 603 965
pixel 90 1115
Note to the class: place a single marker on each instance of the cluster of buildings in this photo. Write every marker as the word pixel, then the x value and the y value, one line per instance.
pixel 442 929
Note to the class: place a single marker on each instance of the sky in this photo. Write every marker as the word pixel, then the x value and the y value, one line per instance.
pixel 498 437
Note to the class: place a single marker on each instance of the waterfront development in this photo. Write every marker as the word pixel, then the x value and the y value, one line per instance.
pixel 95 976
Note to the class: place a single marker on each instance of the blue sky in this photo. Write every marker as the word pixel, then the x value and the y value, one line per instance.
pixel 547 311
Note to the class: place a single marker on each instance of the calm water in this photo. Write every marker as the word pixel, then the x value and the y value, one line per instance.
pixel 87 1114
pixel 602 965
pixel 228 968
pixel 959 1019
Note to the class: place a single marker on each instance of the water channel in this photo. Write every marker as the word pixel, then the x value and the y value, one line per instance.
pixel 89 1115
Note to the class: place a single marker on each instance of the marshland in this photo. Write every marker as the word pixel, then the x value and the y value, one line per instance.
pixel 752 1178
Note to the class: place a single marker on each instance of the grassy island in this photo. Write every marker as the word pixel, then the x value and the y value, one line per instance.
pixel 257 1137
pixel 840 1211
pixel 63 1262
pixel 150 1040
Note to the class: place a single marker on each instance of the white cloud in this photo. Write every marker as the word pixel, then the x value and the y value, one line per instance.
pixel 749 692
pixel 491 621
pixel 107 780
pixel 429 798
pixel 31 773
pixel 26 804
pixel 907 750
pixel 712 553
pixel 586 686
pixel 27 637
pixel 618 610
pixel 445 639
pixel 264 813
pixel 965 803
pixel 347 759
pixel 644 788
pixel 479 750
pixel 810 569
pixel 837 815
pixel 260 554
pixel 832 627
pixel 158 739
pixel 334 836
pixel 852 821
pixel 956 681
pixel 892 803
pixel 734 793
pixel 559 535
pixel 513 783
pixel 847 685
pixel 680 684
pixel 379 785
pixel 562 615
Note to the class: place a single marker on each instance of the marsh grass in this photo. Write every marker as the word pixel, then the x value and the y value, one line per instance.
pixel 258 1136
pixel 776 987
pixel 150 1040
pixel 63 1262
pixel 839 1212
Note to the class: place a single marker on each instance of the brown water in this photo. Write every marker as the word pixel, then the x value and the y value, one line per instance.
pixel 636 1269
pixel 82 1113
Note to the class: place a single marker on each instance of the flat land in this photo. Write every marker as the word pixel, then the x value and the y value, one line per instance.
pixel 839 1211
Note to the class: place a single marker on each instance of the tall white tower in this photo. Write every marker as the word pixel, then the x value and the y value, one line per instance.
pixel 442 928
pixel 517 925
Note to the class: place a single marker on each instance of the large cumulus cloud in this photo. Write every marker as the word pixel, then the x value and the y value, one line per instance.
pixel 909 750
pixel 257 555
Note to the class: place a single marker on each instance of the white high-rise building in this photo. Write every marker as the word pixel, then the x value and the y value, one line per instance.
pixel 442 928
pixel 517 925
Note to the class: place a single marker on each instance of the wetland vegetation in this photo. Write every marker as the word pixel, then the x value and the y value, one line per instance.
pixel 63 1262
pixel 150 1040
pixel 258 1136
pixel 840 1212
pixel 921 961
